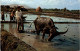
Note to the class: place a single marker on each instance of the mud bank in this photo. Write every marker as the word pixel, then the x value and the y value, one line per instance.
pixel 11 43
pixel 64 15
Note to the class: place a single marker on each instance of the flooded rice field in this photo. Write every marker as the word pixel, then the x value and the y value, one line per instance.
pixel 30 17
pixel 65 42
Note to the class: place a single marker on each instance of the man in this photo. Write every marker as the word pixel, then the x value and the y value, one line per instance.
pixel 19 19
pixel 12 16
pixel 2 16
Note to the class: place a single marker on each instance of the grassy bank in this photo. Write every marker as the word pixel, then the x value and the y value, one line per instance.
pixel 11 43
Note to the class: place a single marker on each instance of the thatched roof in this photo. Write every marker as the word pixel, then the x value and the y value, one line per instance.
pixel 39 9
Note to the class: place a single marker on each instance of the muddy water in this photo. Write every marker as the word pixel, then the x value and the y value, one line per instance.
pixel 66 42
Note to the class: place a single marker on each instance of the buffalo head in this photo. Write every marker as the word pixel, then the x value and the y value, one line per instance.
pixel 54 33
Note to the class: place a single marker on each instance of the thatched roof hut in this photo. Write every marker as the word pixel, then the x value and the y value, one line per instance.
pixel 39 9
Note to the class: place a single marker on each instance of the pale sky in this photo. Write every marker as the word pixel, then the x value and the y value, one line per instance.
pixel 69 4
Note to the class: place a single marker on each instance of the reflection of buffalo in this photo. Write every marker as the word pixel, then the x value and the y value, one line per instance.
pixel 46 25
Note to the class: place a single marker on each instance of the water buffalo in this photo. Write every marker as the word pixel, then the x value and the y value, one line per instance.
pixel 46 25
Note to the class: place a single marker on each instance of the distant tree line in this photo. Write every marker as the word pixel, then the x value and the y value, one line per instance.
pixel 7 8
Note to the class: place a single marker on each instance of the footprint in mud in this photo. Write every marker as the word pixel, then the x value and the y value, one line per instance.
pixel 74 35
pixel 28 35
pixel 64 35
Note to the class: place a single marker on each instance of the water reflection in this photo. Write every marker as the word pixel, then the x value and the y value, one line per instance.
pixel 2 26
